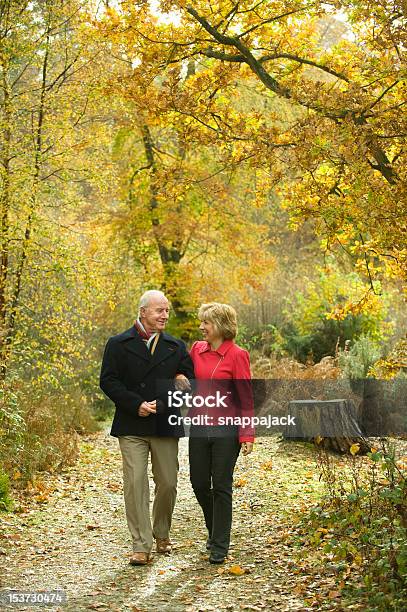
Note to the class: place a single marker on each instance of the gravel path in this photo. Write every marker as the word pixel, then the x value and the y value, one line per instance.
pixel 73 535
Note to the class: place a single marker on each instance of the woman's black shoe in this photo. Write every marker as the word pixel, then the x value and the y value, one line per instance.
pixel 216 558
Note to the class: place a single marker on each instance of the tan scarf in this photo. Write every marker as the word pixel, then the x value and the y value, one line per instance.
pixel 151 339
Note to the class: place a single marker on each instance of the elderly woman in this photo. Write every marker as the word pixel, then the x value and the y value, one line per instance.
pixel 213 450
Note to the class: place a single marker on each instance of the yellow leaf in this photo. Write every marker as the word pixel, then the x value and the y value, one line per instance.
pixel 318 439
pixel 268 465
pixel 355 448
pixel 16 475
pixel 241 482
pixel 41 498
pixel 236 570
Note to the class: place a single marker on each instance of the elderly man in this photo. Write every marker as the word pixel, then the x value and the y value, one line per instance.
pixel 137 367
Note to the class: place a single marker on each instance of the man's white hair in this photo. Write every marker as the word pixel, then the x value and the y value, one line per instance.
pixel 147 296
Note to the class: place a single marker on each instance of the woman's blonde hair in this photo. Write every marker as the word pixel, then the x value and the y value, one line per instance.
pixel 222 316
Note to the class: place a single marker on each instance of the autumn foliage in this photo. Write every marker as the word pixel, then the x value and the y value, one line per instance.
pixel 249 152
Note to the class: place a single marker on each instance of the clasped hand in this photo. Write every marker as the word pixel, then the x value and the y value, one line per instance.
pixel 147 408
pixel 181 384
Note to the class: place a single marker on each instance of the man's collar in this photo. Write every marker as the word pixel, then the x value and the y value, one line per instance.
pixel 141 329
pixel 133 333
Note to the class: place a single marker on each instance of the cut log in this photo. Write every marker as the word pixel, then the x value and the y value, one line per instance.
pixel 333 424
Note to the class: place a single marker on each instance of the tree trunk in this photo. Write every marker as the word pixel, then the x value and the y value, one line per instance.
pixel 10 312
pixel 170 254
pixel 5 201
pixel 333 424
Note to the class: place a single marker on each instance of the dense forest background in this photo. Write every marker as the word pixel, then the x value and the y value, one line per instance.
pixel 247 152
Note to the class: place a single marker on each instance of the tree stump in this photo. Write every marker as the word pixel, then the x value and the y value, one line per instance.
pixel 333 424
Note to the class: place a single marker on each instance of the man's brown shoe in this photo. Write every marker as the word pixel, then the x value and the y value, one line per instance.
pixel 139 558
pixel 163 545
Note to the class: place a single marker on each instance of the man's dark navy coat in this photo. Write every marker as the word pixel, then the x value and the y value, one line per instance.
pixel 130 375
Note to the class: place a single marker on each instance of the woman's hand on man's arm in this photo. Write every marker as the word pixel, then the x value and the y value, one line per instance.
pixel 182 383
pixel 247 448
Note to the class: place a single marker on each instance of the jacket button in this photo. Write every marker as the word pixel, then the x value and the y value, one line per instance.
pixel 142 385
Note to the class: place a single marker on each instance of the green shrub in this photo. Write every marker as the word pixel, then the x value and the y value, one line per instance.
pixel 267 340
pixel 360 526
pixel 39 429
pixel 6 502
pixel 357 362
pixel 321 315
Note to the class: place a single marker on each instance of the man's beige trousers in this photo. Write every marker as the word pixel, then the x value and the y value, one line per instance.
pixel 164 461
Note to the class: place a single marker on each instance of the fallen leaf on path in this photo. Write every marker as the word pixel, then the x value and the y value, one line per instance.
pixel 241 482
pixel 236 570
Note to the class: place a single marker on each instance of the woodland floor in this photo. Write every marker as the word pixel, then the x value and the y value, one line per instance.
pixel 72 534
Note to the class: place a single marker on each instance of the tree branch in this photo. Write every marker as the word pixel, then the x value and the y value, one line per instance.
pixel 269 81
pixel 270 20
pixel 383 163
pixel 231 57
pixel 382 95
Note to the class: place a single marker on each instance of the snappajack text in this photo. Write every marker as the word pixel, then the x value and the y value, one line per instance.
pixel 240 421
